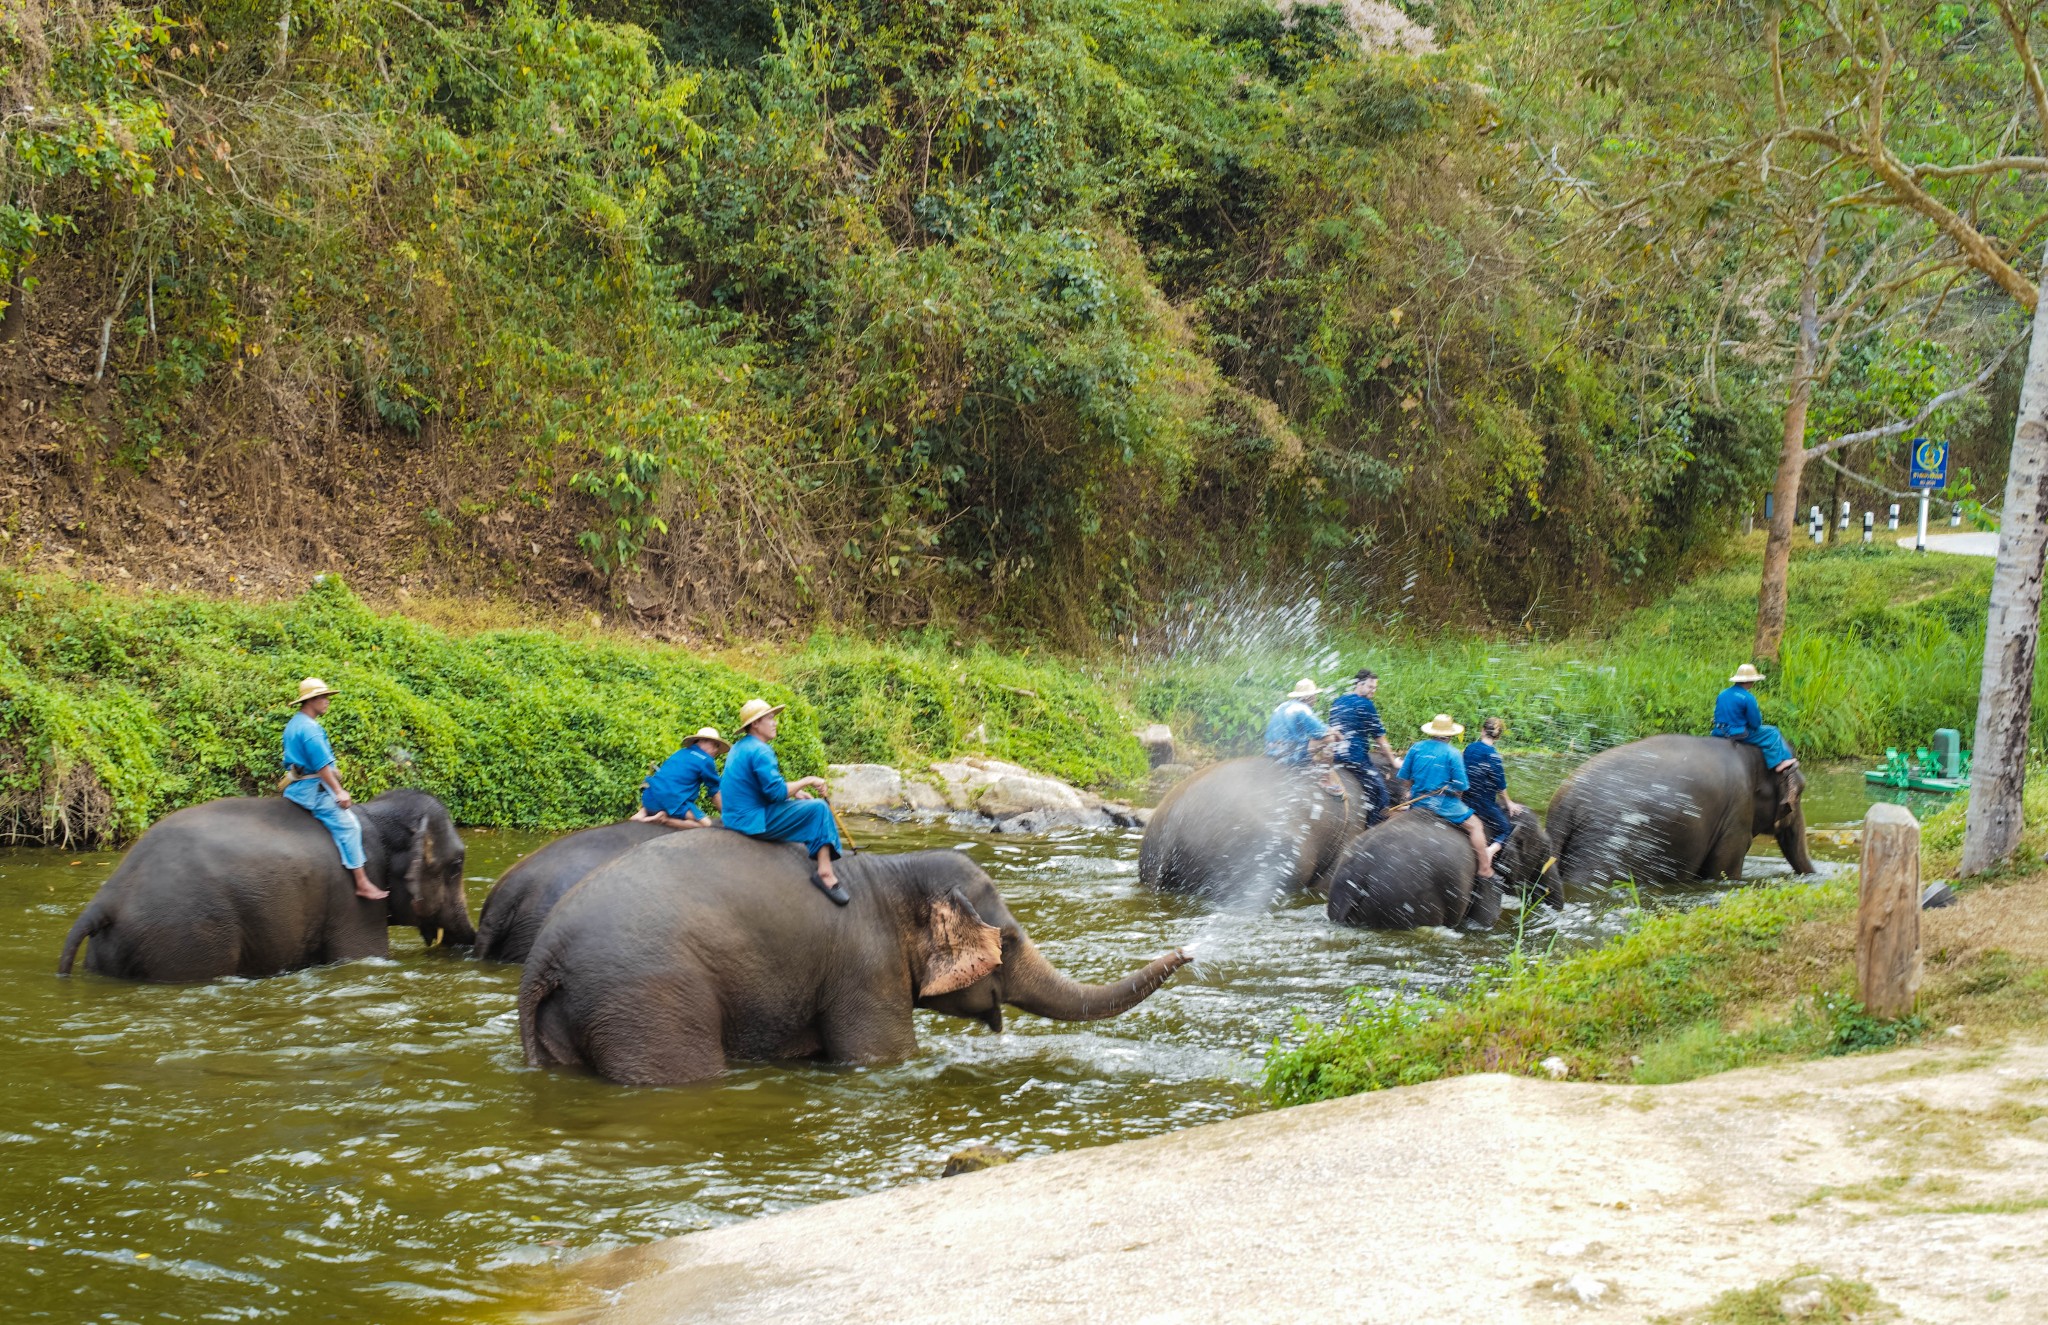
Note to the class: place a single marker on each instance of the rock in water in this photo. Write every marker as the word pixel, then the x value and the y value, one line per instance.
pixel 973 1158
pixel 1158 742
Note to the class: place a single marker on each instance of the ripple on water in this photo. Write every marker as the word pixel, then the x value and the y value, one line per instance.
pixel 367 1137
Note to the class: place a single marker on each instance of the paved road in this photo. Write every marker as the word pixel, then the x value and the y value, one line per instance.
pixel 1961 545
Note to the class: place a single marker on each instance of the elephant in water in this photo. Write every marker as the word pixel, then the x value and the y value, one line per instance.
pixel 254 886
pixel 1416 870
pixel 513 912
pixel 1674 809
pixel 1249 829
pixel 708 946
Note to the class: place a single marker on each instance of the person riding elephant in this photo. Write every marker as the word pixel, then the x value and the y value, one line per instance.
pixel 522 898
pixel 1487 776
pixel 1435 771
pixel 699 948
pixel 760 804
pixel 1296 737
pixel 1674 809
pixel 1362 741
pixel 1416 870
pixel 312 784
pixel 1738 717
pixel 1247 830
pixel 252 886
pixel 672 793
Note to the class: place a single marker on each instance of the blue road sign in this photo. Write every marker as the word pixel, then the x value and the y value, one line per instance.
pixel 1930 465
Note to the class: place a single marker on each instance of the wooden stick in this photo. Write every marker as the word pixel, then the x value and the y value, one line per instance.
pixel 1888 913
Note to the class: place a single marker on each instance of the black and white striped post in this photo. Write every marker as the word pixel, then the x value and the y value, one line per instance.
pixel 1843 518
pixel 1869 525
pixel 1895 517
pixel 1955 515
pixel 1814 524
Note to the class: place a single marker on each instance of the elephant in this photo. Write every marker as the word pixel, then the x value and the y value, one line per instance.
pixel 1674 809
pixel 521 900
pixel 253 886
pixel 1248 828
pixel 1416 870
pixel 709 946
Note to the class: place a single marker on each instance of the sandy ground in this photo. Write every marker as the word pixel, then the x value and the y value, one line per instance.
pixel 1923 1173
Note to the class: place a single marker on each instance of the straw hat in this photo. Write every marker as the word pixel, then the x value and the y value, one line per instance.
pixel 1304 689
pixel 312 688
pixel 710 734
pixel 1745 674
pixel 1441 725
pixel 754 710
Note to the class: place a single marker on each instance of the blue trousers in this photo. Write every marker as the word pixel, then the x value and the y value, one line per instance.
pixel 808 822
pixel 1774 745
pixel 1490 813
pixel 1376 798
pixel 342 825
pixel 686 811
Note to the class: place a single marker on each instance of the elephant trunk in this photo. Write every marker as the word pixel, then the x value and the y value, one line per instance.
pixel 1031 983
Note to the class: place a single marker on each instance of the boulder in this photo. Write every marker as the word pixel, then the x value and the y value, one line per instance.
pixel 867 788
pixel 970 1159
pixel 977 794
pixel 1158 742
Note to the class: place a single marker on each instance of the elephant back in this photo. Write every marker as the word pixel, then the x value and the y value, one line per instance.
pixel 1650 810
pixel 1413 870
pixel 1244 828
pixel 521 900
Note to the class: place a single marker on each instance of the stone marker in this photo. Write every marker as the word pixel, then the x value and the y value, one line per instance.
pixel 1157 739
pixel 1888 913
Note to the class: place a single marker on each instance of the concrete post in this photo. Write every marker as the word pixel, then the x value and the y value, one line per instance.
pixel 1888 913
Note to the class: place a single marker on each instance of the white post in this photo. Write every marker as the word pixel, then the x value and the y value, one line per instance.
pixel 1921 545
pixel 1843 519
pixel 1869 523
pixel 1955 515
pixel 1895 517
pixel 1814 524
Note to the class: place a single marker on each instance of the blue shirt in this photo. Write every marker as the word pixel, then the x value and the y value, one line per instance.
pixel 1435 772
pixel 1357 719
pixel 682 777
pixel 1486 777
pixel 752 784
pixel 305 748
pixel 1290 729
pixel 1736 713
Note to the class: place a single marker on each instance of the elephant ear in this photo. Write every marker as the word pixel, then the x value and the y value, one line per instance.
pixel 422 856
pixel 957 947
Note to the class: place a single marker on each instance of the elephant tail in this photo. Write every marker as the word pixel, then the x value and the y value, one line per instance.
pixel 95 919
pixel 537 986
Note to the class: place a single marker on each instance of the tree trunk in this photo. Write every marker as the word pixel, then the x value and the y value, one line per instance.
pixel 2005 698
pixel 1770 599
pixel 1835 503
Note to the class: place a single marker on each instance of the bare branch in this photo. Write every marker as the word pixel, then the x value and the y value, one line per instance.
pixel 2029 66
pixel 1947 397
pixel 1988 167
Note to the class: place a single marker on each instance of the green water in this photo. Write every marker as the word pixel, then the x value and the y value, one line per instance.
pixel 363 1142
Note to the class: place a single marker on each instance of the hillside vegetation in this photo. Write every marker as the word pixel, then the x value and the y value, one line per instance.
pixel 1020 315
pixel 117 708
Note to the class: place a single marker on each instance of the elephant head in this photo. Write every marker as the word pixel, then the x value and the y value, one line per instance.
pixel 969 956
pixel 1781 813
pixel 1527 863
pixel 425 873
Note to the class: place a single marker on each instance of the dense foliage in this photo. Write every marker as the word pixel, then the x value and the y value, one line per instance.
pixel 1034 313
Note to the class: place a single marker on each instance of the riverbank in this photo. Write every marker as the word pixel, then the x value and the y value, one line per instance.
pixel 1907 1182
pixel 117 707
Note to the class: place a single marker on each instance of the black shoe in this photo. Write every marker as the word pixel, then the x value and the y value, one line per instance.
pixel 837 892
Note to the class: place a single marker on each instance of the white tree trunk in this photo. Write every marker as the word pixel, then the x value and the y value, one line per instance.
pixel 2005 699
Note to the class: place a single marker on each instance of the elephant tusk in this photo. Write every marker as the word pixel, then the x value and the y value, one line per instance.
pixel 438 932
pixel 1548 866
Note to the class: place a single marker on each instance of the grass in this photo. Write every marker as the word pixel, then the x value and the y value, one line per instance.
pixel 115 709
pixel 1765 975
pixel 1804 1296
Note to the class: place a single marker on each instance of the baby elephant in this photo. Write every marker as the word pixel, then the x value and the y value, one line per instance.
pixel 1415 870
pixel 706 946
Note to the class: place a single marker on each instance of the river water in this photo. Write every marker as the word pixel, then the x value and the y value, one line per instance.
pixel 364 1143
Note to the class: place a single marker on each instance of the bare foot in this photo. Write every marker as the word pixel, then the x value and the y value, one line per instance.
pixel 370 892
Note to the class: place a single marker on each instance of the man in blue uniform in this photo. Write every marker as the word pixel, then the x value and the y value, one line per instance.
pixel 1294 734
pixel 1356 720
pixel 670 794
pixel 312 784
pixel 760 804
pixel 1487 792
pixel 1738 717
pixel 1436 773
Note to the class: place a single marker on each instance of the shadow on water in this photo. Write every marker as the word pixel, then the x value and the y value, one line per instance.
pixel 364 1142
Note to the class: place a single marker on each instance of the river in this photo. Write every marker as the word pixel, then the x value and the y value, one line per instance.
pixel 364 1142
